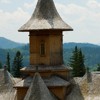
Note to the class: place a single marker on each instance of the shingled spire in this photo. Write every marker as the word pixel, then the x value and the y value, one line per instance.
pixel 38 90
pixel 45 17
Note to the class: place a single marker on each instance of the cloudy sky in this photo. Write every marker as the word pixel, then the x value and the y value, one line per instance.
pixel 82 15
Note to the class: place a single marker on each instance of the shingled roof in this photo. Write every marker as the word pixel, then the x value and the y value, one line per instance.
pixel 6 77
pixel 7 81
pixel 42 68
pixel 53 81
pixel 45 17
pixel 38 90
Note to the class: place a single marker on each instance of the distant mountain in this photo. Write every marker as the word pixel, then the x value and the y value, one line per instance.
pixel 8 44
pixel 80 45
pixel 99 44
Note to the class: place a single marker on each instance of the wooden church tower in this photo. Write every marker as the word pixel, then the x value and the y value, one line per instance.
pixel 45 29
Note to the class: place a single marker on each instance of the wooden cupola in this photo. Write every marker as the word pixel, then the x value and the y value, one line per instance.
pixel 45 30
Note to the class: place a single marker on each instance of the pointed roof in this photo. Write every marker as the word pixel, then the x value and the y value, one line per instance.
pixel 6 77
pixel 38 90
pixel 75 93
pixel 45 17
pixel 7 92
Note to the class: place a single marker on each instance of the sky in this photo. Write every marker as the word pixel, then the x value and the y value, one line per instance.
pixel 82 15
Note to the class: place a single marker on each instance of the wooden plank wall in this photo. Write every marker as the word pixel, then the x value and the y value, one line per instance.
pixel 53 48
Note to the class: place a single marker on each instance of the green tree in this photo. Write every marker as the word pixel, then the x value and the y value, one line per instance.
pixel 98 68
pixel 77 63
pixel 8 62
pixel 73 61
pixel 81 66
pixel 17 64
pixel 0 65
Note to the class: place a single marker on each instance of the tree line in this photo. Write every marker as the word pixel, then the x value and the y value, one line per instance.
pixel 76 62
pixel 17 64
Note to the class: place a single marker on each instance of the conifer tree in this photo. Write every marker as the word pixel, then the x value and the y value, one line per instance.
pixel 8 62
pixel 77 62
pixel 73 61
pixel 0 65
pixel 17 64
pixel 81 65
pixel 98 68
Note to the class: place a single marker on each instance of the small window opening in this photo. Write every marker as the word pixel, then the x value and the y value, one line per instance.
pixel 42 49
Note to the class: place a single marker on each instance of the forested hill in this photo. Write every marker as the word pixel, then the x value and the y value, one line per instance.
pixel 8 44
pixel 91 52
pixel 80 45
